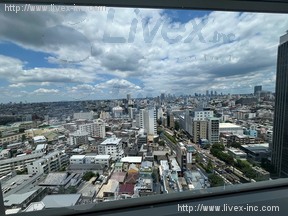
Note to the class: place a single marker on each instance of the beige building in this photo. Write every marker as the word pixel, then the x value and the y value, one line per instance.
pixel 199 130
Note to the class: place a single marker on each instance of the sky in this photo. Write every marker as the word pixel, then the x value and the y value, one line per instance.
pixel 106 53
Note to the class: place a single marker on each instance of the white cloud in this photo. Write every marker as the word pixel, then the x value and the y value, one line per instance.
pixel 46 91
pixel 87 64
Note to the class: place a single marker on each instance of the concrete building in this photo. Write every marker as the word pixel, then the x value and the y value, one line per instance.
pixel 200 130
pixel 230 128
pixel 117 112
pixel 236 153
pixel 112 146
pixel 256 152
pixel 257 90
pixel 77 159
pixel 78 138
pixel 84 115
pixel 17 163
pixel 202 115
pixel 11 139
pixel 21 190
pixel 108 191
pixel 51 162
pixel 213 130
pixel 95 129
pixel 148 120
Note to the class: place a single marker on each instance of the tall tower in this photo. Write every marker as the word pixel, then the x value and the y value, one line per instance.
pixel 279 145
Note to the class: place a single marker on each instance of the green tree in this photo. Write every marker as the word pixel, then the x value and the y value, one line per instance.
pixel 215 180
pixel 88 175
pixel 210 166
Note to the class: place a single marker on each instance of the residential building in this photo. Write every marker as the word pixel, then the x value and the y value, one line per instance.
pixel 84 115
pixel 51 162
pixel 18 163
pixel 213 130
pixel 95 129
pixel 78 138
pixel 200 129
pixel 111 146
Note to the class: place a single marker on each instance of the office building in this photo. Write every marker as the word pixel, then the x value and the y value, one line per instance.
pixel 257 90
pixel 279 146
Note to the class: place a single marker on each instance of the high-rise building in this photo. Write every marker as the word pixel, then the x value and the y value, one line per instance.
pixel 147 120
pixel 213 130
pixel 279 146
pixel 257 89
pixel 128 97
pixel 199 130
pixel 162 97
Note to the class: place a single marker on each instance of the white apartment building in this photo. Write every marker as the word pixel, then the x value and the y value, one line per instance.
pixel 148 121
pixel 91 159
pixel 132 112
pixel 117 112
pixel 78 138
pixel 202 115
pixel 84 115
pixel 112 146
pixel 77 159
pixel 95 129
pixel 52 162
pixel 18 163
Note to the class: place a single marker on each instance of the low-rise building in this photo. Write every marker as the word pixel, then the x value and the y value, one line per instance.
pixel 236 153
pixel 52 162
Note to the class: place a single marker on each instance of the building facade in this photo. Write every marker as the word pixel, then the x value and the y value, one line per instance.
pixel 279 146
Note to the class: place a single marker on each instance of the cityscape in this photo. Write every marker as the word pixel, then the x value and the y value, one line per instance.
pixel 71 136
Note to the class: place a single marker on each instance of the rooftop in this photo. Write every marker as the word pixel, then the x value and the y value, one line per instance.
pixel 113 140
pixel 110 187
pixel 77 157
pixel 61 200
pixel 35 206
pixel 131 159
pixel 229 125
pixel 119 176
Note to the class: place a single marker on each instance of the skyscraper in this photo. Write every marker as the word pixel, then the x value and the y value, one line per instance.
pixel 257 89
pixel 148 120
pixel 279 146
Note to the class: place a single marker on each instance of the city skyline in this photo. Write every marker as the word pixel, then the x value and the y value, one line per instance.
pixel 46 67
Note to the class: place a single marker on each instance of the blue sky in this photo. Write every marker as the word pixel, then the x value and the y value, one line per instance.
pixel 48 56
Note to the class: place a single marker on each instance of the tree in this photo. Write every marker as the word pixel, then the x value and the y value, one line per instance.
pixel 210 166
pixel 235 145
pixel 88 175
pixel 215 180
